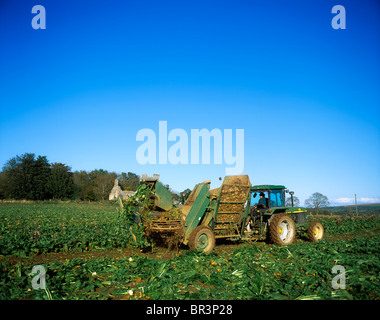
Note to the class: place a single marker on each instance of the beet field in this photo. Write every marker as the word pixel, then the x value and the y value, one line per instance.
pixel 71 251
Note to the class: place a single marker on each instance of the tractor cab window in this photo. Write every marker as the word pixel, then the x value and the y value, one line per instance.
pixel 276 198
pixel 255 198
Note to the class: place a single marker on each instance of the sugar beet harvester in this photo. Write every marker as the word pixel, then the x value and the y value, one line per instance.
pixel 231 211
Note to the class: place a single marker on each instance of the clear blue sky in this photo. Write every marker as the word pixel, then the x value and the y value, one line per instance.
pixel 306 95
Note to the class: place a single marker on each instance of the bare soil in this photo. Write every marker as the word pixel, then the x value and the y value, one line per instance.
pixel 222 246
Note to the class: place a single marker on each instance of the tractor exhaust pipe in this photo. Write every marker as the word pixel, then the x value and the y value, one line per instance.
pixel 291 197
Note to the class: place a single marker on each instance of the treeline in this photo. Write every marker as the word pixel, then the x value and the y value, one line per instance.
pixel 32 177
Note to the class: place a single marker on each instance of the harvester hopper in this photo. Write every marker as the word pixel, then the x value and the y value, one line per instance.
pixel 221 211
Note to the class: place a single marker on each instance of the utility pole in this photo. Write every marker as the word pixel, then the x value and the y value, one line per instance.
pixel 356 205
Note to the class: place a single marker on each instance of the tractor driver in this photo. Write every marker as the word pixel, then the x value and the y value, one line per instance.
pixel 263 200
pixel 261 204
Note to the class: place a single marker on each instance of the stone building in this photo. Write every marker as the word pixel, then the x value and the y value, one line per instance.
pixel 116 192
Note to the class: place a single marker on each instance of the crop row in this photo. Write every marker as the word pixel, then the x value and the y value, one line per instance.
pixel 28 229
pixel 348 224
pixel 35 228
pixel 300 271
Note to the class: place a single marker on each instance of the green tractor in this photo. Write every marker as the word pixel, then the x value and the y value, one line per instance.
pixel 270 219
pixel 237 211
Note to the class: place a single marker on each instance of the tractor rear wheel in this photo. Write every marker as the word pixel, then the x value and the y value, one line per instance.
pixel 203 239
pixel 315 232
pixel 282 229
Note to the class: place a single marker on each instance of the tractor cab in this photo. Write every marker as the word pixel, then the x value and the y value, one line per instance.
pixel 267 200
pixel 268 196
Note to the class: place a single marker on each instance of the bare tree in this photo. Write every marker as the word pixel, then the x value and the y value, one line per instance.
pixel 296 202
pixel 317 201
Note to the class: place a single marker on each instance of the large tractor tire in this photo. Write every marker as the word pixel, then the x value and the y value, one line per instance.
pixel 203 239
pixel 282 229
pixel 315 232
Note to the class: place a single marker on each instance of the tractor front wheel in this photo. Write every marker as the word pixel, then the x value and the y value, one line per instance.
pixel 315 232
pixel 202 238
pixel 282 229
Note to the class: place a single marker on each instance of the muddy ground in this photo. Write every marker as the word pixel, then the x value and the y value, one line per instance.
pixel 157 252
